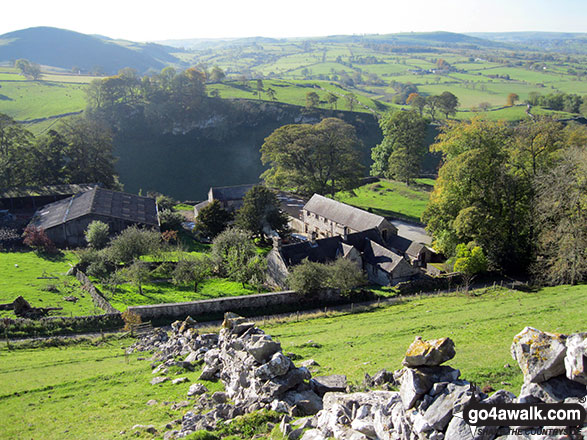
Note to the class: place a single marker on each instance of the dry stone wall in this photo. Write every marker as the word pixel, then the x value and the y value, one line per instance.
pixel 429 404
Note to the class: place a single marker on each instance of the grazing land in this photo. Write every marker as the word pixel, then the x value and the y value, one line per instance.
pixel 43 283
pixel 46 392
pixel 391 199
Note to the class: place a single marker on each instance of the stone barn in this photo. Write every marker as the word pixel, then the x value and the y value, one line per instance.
pixel 230 197
pixel 66 221
pixel 324 217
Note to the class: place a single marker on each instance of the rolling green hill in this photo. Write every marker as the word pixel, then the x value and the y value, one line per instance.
pixel 68 50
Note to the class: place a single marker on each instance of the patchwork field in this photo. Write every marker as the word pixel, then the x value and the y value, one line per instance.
pixel 43 283
pixel 47 392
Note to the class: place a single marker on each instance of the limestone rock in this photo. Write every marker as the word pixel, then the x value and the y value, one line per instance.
pixel 306 403
pixel 554 390
pixel 159 380
pixel 309 363
pixel 576 357
pixel 415 382
pixel 539 354
pixel 197 389
pixel 146 428
pixel 263 348
pixel 429 353
pixel 313 434
pixel 328 384
pixel 277 366
pixel 458 429
pixel 179 380
pixel 440 412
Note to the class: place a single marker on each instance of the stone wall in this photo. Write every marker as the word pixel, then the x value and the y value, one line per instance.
pixel 96 295
pixel 241 304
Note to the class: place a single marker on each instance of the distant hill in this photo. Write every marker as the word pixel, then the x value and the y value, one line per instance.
pixel 444 39
pixel 555 41
pixel 68 49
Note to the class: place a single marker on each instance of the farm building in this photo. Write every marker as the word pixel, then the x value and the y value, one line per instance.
pixel 31 198
pixel 66 221
pixel 367 248
pixel 324 217
pixel 230 197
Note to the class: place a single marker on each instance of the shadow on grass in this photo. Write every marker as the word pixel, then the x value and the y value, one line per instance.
pixel 55 257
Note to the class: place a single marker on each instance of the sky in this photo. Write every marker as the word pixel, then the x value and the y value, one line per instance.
pixel 148 20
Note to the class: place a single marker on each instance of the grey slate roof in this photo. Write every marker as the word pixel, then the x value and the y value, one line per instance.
pixel 101 202
pixel 378 255
pixel 344 214
pixel 226 193
pixel 327 249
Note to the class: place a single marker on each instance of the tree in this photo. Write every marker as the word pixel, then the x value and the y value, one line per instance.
pixel 479 196
pixel 321 158
pixel 212 220
pixel 400 154
pixel 28 69
pixel 232 249
pixel 271 94
pixel 351 100
pixel 484 106
pixel 312 100
pixel 97 234
pixel 261 212
pixel 217 74
pixel 37 239
pixel 417 102
pixel 561 219
pixel 133 242
pixel 331 99
pixel 193 270
pixel 259 87
pixel 448 103
pixel 138 273
pixel 16 153
pixel 308 277
pixel 512 98
pixel 432 105
pixel 88 152
pixel 344 275
pixel 469 261
pixel 51 159
pixel 170 220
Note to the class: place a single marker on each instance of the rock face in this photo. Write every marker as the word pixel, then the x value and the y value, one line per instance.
pixel 429 403
pixel 540 355
pixel 429 353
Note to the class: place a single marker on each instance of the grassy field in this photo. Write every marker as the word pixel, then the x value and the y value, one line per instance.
pixel 94 392
pixel 391 199
pixel 33 280
pixel 481 325
pixel 83 392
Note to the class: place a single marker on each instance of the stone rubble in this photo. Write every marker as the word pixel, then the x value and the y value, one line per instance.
pixel 257 375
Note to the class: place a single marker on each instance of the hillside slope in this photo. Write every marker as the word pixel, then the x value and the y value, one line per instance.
pixel 67 49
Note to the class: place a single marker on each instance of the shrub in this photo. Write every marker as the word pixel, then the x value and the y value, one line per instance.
pixel 308 277
pixel 37 239
pixel 97 234
pixel 232 249
pixel 133 242
pixel 345 275
pixel 130 319
pixel 170 220
pixel 212 220
pixel 202 435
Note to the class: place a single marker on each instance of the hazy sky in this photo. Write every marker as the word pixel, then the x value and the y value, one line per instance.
pixel 146 20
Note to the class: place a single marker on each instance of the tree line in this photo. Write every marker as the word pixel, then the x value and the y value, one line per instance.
pixel 77 150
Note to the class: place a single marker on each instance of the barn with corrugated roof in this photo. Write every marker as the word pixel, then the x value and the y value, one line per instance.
pixel 66 221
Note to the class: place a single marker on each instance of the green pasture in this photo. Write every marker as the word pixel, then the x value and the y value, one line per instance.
pixel 390 199
pixel 43 283
pixel 482 325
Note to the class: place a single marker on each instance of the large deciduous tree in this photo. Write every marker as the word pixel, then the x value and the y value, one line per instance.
pixel 261 212
pixel 400 154
pixel 212 220
pixel 321 158
pixel 16 153
pixel 448 103
pixel 479 196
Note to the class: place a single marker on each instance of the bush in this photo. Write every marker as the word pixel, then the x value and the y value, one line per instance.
pixel 202 435
pixel 308 278
pixel 130 319
pixel 37 239
pixel 232 249
pixel 345 275
pixel 170 220
pixel 97 234
pixel 133 242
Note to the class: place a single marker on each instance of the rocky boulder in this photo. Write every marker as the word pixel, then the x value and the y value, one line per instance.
pixel 539 354
pixel 429 353
pixel 576 358
pixel 328 384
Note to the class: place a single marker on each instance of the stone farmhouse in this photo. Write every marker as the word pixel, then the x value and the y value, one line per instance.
pixel 31 198
pixel 230 197
pixel 323 217
pixel 367 248
pixel 66 221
